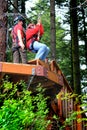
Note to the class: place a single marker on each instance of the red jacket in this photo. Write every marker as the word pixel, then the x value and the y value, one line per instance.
pixel 32 34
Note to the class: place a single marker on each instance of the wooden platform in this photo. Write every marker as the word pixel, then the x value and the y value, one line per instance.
pixel 51 77
pixel 33 73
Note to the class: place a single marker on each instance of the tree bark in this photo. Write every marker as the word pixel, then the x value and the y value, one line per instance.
pixel 3 29
pixel 75 47
pixel 15 10
pixel 23 7
pixel 84 33
pixel 53 30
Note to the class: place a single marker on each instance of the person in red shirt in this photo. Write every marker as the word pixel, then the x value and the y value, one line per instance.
pixel 33 44
pixel 18 39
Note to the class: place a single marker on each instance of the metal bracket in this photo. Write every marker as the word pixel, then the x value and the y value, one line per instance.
pixel 31 78
pixel 41 71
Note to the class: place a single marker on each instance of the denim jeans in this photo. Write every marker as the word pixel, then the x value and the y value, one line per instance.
pixel 42 50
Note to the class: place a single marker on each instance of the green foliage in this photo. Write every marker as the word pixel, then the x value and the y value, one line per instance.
pixel 80 101
pixel 30 55
pixel 20 109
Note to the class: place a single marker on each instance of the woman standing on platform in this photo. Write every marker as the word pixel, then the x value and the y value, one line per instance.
pixel 18 38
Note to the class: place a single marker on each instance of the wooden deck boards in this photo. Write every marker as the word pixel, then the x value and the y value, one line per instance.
pixel 39 70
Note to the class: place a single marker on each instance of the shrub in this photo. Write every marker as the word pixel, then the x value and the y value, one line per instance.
pixel 20 109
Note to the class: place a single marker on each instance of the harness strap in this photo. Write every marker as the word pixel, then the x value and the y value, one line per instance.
pixel 32 47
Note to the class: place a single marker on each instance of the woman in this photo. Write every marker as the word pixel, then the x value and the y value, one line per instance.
pixel 33 44
pixel 18 39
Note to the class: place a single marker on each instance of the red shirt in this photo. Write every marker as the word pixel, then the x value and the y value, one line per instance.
pixel 30 32
pixel 14 33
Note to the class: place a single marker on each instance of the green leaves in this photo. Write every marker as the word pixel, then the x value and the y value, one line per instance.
pixel 21 109
pixel 78 112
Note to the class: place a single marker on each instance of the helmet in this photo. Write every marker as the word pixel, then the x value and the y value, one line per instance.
pixel 18 18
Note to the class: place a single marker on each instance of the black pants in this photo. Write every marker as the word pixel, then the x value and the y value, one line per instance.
pixel 19 56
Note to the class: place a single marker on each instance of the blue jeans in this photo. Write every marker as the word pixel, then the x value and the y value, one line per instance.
pixel 42 50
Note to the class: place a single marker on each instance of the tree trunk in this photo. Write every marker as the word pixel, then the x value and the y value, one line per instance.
pixel 23 11
pixel 23 7
pixel 75 47
pixel 15 10
pixel 3 29
pixel 53 30
pixel 84 34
